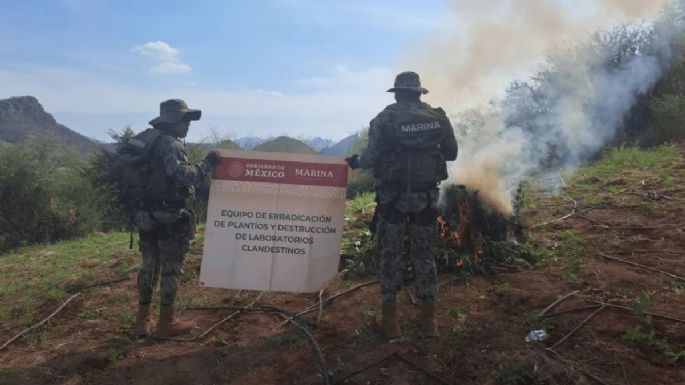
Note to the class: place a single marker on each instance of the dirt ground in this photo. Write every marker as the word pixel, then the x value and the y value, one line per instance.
pixel 483 320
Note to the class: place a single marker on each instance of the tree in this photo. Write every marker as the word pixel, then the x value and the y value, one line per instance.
pixel 44 194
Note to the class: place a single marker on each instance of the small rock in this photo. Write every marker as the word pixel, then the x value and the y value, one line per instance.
pixel 617 182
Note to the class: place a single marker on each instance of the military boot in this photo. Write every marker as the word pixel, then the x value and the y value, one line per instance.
pixel 429 325
pixel 387 323
pixel 168 326
pixel 142 321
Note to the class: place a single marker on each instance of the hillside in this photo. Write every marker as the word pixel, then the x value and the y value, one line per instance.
pixel 285 144
pixel 317 143
pixel 342 147
pixel 608 288
pixel 23 117
pixel 250 142
pixel 227 144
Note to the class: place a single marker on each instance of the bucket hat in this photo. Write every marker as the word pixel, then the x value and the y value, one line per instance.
pixel 408 81
pixel 174 110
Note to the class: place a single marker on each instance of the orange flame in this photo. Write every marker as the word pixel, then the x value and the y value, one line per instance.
pixel 461 234
pixel 463 228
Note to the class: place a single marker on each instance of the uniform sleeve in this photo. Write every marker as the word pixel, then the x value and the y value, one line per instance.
pixel 176 165
pixel 374 147
pixel 448 146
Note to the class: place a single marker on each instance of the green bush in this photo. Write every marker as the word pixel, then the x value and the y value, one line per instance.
pixel 45 196
pixel 360 181
pixel 668 117
pixel 102 174
pixel 665 107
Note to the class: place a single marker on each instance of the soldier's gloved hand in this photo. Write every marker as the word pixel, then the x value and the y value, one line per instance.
pixel 353 161
pixel 213 158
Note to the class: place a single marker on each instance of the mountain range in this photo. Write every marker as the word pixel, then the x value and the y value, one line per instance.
pixel 23 117
pixel 317 144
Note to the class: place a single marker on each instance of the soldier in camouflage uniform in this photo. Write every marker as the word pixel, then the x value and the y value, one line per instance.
pixel 165 220
pixel 409 144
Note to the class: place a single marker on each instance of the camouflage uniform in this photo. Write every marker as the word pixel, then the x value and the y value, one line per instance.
pixel 168 224
pixel 165 220
pixel 384 153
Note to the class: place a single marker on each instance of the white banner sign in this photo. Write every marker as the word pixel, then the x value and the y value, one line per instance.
pixel 274 221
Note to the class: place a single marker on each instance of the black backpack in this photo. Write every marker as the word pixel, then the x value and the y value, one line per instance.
pixel 133 169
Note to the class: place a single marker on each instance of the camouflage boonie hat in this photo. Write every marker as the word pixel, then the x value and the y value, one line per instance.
pixel 408 81
pixel 174 110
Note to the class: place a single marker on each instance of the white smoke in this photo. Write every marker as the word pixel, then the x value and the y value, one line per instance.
pixel 569 110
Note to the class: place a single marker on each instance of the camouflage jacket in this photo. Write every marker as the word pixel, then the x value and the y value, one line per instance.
pixel 382 146
pixel 173 176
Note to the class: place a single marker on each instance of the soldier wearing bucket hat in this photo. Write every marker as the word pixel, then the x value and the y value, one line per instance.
pixel 408 81
pixel 409 144
pixel 164 215
pixel 173 116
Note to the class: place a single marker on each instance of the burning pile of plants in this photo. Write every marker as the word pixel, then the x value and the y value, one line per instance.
pixel 473 238
pixel 476 239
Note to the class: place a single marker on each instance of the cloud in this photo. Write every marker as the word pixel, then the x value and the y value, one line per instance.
pixel 268 92
pixel 166 58
pixel 333 105
pixel 158 50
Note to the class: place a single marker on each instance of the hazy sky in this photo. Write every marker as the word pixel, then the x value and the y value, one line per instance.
pixel 271 67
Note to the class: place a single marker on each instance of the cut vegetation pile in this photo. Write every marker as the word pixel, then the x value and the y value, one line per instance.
pixel 606 285
pixel 475 239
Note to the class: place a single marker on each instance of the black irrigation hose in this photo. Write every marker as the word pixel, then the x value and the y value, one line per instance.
pixel 289 317
pixel 263 308
pixel 237 311
pixel 362 370
pixel 402 359
pixel 286 315
pixel 426 371
pixel 574 310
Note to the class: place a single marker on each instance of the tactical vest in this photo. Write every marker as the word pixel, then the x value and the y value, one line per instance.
pixel 162 187
pixel 414 138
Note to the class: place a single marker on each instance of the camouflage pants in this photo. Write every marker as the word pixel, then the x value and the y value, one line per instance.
pixel 392 226
pixel 163 250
